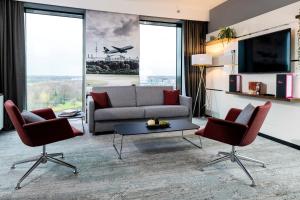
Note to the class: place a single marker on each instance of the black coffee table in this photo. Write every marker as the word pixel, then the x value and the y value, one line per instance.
pixel 140 128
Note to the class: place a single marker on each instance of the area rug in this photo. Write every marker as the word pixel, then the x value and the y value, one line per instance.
pixel 157 166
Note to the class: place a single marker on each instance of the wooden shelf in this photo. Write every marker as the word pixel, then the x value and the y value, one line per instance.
pixel 265 97
pixel 220 41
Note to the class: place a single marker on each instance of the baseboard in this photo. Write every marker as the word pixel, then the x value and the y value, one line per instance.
pixel 280 141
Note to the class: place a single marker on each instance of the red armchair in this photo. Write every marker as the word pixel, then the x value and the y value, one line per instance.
pixel 229 132
pixel 40 134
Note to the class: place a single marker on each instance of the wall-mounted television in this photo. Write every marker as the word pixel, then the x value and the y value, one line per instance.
pixel 270 53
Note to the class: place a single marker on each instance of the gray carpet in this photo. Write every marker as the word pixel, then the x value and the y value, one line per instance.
pixel 157 166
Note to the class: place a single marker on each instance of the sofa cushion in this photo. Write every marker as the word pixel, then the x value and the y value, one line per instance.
pixel 101 99
pixel 108 114
pixel 119 96
pixel 166 111
pixel 171 97
pixel 150 95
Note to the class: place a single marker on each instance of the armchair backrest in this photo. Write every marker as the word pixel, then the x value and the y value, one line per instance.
pixel 17 120
pixel 257 119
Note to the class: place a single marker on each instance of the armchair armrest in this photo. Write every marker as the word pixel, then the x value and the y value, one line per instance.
pixel 187 101
pixel 45 132
pixel 46 113
pixel 225 131
pixel 90 113
pixel 232 114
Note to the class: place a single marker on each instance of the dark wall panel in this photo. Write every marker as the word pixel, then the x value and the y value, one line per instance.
pixel 234 11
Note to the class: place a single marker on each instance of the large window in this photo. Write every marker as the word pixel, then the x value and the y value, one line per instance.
pixel 159 54
pixel 54 47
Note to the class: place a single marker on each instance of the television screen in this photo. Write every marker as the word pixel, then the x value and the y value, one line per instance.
pixel 270 53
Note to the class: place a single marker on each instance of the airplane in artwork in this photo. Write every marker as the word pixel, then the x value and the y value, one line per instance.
pixel 117 49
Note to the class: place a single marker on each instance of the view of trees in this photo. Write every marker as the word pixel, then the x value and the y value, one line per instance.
pixel 59 93
pixel 65 92
pixel 129 67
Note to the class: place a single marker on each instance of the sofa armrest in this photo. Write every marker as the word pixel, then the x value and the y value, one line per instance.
pixel 90 112
pixel 187 101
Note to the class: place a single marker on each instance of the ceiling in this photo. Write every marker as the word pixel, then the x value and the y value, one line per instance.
pixel 203 3
pixel 177 9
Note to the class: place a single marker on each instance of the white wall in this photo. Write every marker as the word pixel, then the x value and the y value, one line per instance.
pixel 284 117
pixel 189 9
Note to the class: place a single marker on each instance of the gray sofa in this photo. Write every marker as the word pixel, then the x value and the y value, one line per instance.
pixel 134 103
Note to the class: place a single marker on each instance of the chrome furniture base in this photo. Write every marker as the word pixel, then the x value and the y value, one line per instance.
pixel 43 158
pixel 234 157
pixel 191 142
pixel 119 152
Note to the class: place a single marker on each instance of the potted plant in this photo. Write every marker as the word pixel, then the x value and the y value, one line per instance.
pixel 226 33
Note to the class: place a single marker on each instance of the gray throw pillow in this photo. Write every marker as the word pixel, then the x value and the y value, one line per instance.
pixel 245 116
pixel 30 117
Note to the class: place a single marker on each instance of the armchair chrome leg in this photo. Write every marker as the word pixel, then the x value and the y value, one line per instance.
pixel 56 154
pixel 234 157
pixel 32 159
pixel 43 158
pixel 60 162
pixel 200 141
pixel 223 153
pixel 251 160
pixel 244 169
pixel 215 161
pixel 29 171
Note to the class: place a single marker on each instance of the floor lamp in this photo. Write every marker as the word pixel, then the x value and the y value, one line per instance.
pixel 200 60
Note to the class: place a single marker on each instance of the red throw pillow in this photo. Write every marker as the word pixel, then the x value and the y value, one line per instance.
pixel 171 97
pixel 101 99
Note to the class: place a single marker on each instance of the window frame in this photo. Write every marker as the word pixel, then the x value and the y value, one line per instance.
pixel 50 10
pixel 179 44
pixel 81 13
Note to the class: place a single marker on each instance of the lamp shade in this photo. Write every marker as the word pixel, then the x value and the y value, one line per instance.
pixel 201 59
